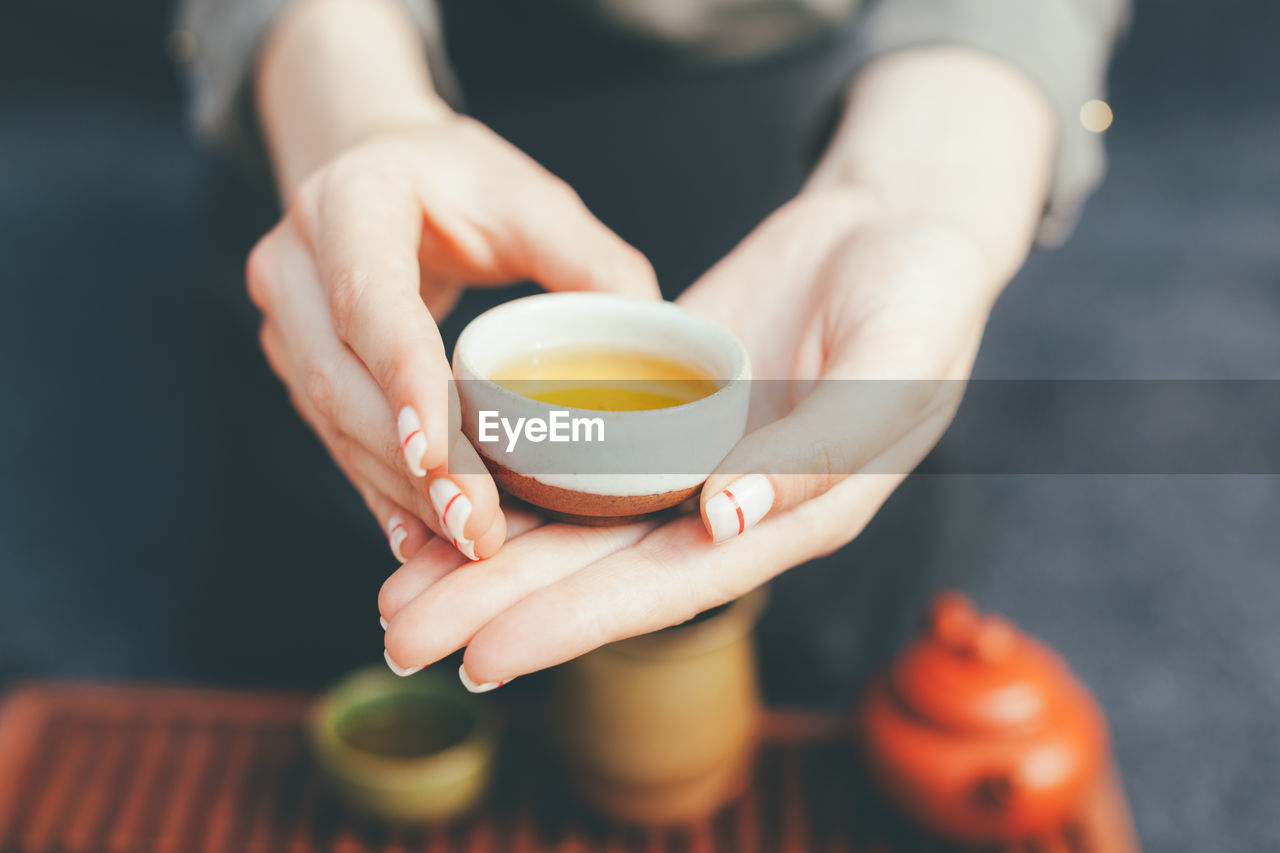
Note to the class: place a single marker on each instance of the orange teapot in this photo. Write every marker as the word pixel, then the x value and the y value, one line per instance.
pixel 982 733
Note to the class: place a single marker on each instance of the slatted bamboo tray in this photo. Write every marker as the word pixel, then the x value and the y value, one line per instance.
pixel 142 769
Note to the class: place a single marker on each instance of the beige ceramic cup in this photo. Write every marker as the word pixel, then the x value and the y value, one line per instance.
pixel 415 749
pixel 649 460
pixel 662 728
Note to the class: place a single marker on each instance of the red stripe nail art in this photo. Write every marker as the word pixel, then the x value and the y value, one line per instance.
pixel 444 516
pixel 742 521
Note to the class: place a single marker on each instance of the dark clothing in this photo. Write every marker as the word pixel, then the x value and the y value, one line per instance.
pixel 1063 46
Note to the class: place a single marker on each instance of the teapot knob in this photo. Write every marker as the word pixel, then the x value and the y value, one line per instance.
pixel 953 620
pixel 995 640
pixel 958 626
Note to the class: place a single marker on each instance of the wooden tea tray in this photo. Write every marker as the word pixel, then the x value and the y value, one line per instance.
pixel 109 768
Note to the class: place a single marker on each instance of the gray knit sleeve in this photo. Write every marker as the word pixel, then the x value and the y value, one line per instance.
pixel 217 41
pixel 1064 46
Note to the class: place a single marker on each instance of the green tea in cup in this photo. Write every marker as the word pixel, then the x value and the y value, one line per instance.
pixel 605 379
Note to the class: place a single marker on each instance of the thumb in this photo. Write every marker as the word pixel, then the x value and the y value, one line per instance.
pixel 563 246
pixel 841 427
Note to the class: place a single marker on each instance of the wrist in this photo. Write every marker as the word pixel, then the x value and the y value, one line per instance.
pixel 951 137
pixel 333 73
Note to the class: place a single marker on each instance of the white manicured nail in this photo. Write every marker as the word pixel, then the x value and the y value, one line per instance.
pixel 399 670
pixel 397 533
pixel 382 620
pixel 453 508
pixel 739 506
pixel 479 688
pixel 413 441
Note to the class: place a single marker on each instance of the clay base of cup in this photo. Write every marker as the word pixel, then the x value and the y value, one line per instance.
pixel 584 507
pixel 671 803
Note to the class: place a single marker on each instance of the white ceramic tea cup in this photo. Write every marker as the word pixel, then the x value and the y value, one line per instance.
pixel 643 461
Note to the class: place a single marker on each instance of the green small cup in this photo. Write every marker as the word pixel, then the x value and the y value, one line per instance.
pixel 417 749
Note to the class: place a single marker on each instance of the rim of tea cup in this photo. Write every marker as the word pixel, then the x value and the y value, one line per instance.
pixel 605 303
pixel 434 778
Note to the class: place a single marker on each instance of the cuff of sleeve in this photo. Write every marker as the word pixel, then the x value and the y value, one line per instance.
pixel 220 44
pixel 1063 46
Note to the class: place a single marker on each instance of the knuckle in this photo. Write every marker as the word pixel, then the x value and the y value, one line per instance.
pixel 389 447
pixel 267 344
pixel 310 192
pixel 405 646
pixel 257 273
pixel 639 260
pixel 556 190
pixel 829 542
pixel 302 408
pixel 388 599
pixel 359 177
pixel 372 505
pixel 687 595
pixel 347 288
pixel 677 594
pixel 320 385
pixel 341 447
pixel 641 268
pixel 589 623
pixel 566 191
pixel 534 192
pixel 389 368
pixel 470 128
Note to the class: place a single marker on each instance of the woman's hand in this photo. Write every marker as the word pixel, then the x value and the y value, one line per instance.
pixel 885 268
pixel 393 204
pixel 374 247
pixel 863 299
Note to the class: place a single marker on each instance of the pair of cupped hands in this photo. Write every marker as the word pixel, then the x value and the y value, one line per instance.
pixel 378 245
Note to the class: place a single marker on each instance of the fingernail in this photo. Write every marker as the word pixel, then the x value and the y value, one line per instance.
pixel 398 533
pixel 413 441
pixel 484 687
pixel 382 620
pixel 739 506
pixel 453 508
pixel 399 670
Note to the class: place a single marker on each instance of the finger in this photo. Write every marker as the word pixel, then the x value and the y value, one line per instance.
pixel 467 503
pixel 347 450
pixel 642 588
pixel 356 461
pixel 668 578
pixel 437 559
pixel 443 618
pixel 359 464
pixel 447 510
pixel 675 573
pixel 324 371
pixel 341 390
pixel 556 241
pixel 834 432
pixel 365 241
pixel 883 376
pixel 406 534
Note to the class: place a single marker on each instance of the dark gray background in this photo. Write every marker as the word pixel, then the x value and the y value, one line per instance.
pixel 162 516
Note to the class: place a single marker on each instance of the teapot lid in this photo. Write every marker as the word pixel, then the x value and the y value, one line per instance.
pixel 978 674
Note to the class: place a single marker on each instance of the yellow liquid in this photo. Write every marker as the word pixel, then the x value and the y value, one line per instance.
pixel 628 380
